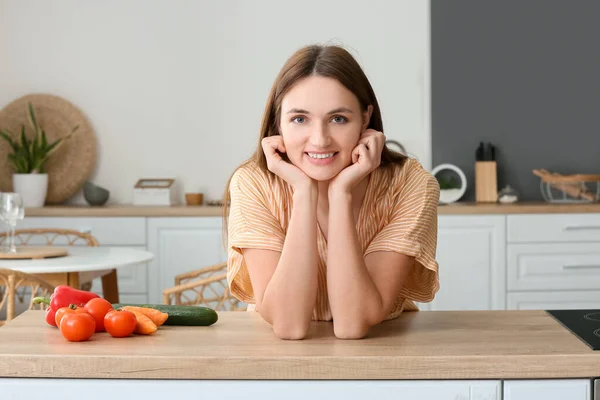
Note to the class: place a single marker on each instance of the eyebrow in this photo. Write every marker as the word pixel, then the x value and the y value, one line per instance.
pixel 335 111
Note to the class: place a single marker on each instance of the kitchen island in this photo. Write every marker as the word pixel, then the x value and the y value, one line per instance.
pixel 421 355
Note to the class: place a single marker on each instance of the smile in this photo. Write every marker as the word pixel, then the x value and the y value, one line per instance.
pixel 322 155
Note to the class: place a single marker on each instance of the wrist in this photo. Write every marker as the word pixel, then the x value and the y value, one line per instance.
pixel 308 190
pixel 339 196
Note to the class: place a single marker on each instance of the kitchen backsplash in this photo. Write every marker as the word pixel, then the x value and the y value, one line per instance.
pixel 523 76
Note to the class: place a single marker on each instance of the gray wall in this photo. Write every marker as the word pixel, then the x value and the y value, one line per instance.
pixel 524 75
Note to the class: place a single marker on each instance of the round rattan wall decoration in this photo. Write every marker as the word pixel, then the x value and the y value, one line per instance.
pixel 72 163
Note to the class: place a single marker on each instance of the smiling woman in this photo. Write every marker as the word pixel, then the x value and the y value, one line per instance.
pixel 326 222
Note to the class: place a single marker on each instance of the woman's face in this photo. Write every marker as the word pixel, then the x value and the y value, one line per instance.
pixel 321 123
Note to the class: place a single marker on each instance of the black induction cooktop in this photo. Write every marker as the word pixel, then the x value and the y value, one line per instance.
pixel 585 324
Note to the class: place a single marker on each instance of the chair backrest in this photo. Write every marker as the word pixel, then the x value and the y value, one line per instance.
pixel 205 287
pixel 16 284
pixel 65 237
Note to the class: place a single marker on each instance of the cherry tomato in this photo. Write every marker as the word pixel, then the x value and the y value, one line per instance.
pixel 98 308
pixel 77 327
pixel 61 312
pixel 120 323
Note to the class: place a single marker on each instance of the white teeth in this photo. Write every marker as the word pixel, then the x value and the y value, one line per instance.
pixel 326 155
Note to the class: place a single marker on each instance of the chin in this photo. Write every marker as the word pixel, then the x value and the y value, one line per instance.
pixel 321 176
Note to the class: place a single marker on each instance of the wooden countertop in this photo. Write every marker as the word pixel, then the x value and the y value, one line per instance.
pixel 217 211
pixel 417 345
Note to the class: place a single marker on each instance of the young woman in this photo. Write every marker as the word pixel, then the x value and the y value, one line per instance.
pixel 327 223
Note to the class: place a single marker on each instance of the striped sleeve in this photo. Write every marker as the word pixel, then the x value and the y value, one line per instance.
pixel 412 230
pixel 251 225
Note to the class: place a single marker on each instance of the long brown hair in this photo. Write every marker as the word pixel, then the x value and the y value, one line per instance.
pixel 315 60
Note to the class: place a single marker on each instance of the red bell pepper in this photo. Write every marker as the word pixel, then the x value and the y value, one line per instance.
pixel 64 296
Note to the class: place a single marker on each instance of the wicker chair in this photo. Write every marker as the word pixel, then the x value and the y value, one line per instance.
pixel 15 285
pixel 64 237
pixel 206 287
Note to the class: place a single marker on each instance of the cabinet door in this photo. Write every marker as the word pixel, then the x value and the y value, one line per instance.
pixel 265 390
pixel 181 245
pixel 558 389
pixel 471 254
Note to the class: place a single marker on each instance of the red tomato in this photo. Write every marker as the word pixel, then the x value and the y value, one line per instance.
pixel 77 327
pixel 61 312
pixel 120 323
pixel 98 308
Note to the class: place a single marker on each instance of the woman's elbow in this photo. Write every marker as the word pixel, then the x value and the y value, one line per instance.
pixel 289 331
pixel 357 330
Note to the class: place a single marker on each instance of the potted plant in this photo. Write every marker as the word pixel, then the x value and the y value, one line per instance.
pixel 450 189
pixel 29 158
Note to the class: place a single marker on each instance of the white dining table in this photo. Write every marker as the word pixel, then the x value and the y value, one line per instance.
pixel 81 265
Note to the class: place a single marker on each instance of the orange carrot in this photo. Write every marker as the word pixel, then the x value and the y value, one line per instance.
pixel 158 317
pixel 144 325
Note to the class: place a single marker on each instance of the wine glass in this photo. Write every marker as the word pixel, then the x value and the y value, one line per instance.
pixel 11 211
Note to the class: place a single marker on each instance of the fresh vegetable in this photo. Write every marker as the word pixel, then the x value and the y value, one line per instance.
pixel 158 317
pixel 144 325
pixel 63 296
pixel 98 308
pixel 181 315
pixel 61 312
pixel 77 327
pixel 120 323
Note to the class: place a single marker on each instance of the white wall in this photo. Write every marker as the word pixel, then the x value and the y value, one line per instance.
pixel 177 88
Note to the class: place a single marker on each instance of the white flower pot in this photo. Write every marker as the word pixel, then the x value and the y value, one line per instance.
pixel 32 188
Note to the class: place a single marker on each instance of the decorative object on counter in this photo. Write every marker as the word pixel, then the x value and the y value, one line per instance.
pixel 215 203
pixel 71 164
pixel 95 195
pixel 155 192
pixel 450 190
pixel 486 177
pixel 508 195
pixel 29 157
pixel 577 188
pixel 194 199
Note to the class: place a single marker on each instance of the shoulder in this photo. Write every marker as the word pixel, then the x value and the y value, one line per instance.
pixel 405 177
pixel 251 177
pixel 411 178
pixel 251 182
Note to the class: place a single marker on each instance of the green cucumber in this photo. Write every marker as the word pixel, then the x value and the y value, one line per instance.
pixel 181 315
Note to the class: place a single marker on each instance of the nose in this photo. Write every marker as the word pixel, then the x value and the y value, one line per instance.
pixel 320 137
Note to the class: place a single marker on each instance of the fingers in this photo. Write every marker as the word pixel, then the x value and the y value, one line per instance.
pixel 271 145
pixel 360 152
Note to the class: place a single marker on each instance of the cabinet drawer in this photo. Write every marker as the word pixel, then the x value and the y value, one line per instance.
pixel 561 266
pixel 553 228
pixel 553 300
pixel 109 231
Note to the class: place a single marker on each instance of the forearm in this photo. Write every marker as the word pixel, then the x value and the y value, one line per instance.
pixel 355 301
pixel 290 296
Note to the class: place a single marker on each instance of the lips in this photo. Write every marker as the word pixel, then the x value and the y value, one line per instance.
pixel 321 158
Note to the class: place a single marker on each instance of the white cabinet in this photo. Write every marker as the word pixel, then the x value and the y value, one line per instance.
pixel 101 389
pixel 181 245
pixel 553 261
pixel 557 389
pixel 471 254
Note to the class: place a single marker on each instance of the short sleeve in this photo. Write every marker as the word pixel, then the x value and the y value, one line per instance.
pixel 412 230
pixel 251 225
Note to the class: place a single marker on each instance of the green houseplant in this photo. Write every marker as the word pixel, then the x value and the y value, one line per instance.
pixel 29 157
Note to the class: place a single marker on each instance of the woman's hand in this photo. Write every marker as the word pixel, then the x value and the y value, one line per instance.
pixel 277 165
pixel 366 157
